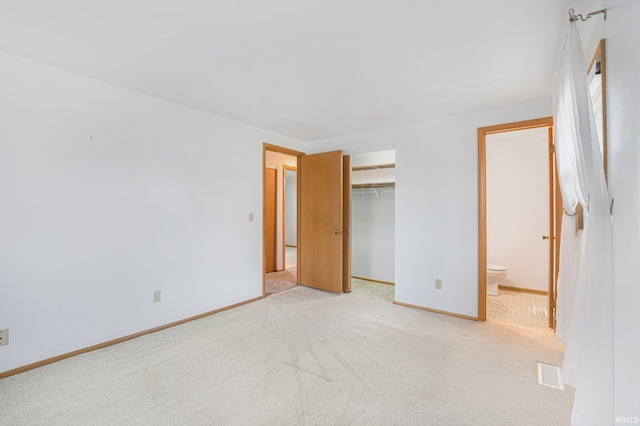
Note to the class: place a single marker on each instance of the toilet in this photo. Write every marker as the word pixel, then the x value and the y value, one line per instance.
pixel 495 274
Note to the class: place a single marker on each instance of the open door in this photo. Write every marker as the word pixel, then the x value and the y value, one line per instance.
pixel 321 221
pixel 556 208
pixel 346 224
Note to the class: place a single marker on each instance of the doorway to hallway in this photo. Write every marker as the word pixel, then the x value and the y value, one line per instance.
pixel 323 252
pixel 280 221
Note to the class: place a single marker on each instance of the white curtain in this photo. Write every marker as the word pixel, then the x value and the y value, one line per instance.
pixel 585 293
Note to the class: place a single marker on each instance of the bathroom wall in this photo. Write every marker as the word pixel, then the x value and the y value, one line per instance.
pixel 518 206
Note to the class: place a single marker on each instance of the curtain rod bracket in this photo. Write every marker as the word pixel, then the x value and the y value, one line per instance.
pixel 573 17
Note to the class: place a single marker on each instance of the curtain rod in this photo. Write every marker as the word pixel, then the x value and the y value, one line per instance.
pixel 574 17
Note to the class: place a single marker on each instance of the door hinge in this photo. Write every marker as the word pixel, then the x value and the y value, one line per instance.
pixel 552 304
pixel 552 149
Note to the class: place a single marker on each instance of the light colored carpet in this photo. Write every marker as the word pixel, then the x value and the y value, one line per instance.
pixel 303 357
pixel 276 282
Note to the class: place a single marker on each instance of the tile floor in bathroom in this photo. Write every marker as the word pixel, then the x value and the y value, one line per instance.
pixel 517 308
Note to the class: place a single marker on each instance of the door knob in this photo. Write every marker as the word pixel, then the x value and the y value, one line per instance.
pixel 545 237
pixel 337 231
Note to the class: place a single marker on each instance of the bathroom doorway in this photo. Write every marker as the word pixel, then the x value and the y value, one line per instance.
pixel 518 223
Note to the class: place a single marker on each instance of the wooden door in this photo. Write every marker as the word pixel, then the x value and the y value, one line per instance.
pixel 321 221
pixel 270 219
pixel 556 210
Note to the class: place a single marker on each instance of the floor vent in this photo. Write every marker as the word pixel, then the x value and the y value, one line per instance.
pixel 550 375
pixel 542 312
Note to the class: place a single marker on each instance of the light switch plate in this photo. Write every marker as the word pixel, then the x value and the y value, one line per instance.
pixel 4 337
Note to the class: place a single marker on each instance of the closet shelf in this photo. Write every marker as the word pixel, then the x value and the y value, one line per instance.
pixel 373 176
pixel 374 167
pixel 367 185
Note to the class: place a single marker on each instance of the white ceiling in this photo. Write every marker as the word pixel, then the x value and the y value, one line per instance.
pixel 306 69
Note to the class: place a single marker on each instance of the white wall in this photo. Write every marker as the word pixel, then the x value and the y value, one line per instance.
pixel 371 158
pixel 623 115
pixel 108 195
pixel 278 160
pixel 291 207
pixel 620 31
pixel 373 234
pixel 437 202
pixel 518 206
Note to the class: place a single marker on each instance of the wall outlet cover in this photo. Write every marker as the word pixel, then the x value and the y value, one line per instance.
pixel 156 296
pixel 4 337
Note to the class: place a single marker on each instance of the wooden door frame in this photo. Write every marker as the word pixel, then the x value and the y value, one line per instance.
pixel 482 207
pixel 274 148
pixel 346 223
pixel 600 55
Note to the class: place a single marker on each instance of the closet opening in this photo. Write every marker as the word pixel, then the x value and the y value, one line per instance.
pixel 373 221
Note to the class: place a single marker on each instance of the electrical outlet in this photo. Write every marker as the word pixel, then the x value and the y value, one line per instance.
pixel 156 296
pixel 4 337
pixel 438 284
pixel 250 216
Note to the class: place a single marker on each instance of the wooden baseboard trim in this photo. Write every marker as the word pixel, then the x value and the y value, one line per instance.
pixel 119 340
pixel 436 311
pixel 374 281
pixel 523 290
